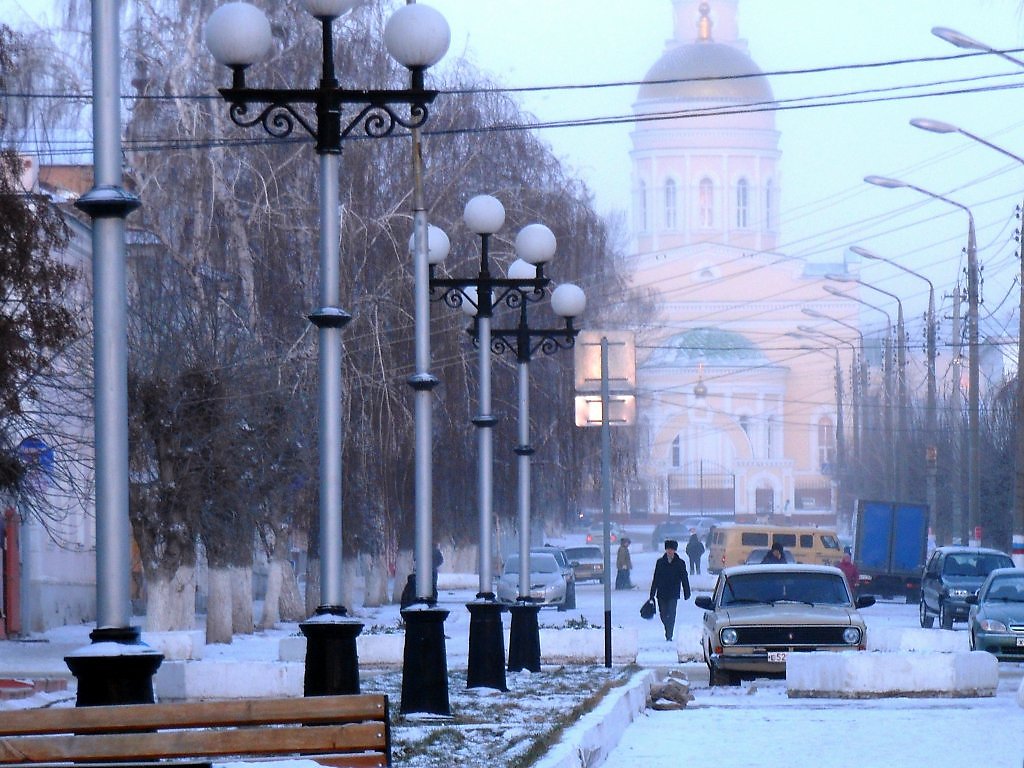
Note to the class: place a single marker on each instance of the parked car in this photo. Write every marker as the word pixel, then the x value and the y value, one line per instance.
pixel 547 582
pixel 757 616
pixel 567 570
pixel 996 620
pixel 950 575
pixel 757 555
pixel 587 562
pixel 595 534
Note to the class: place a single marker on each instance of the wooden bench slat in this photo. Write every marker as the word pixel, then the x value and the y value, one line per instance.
pixel 194 743
pixel 141 717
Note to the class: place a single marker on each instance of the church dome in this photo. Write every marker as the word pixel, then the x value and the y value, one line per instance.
pixel 705 71
pixel 713 346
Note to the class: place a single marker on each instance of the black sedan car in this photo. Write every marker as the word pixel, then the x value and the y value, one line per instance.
pixel 996 621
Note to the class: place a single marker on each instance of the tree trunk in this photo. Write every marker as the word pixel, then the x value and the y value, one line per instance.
pixel 312 582
pixel 242 622
pixel 218 606
pixel 272 600
pixel 376 579
pixel 171 603
pixel 292 608
pixel 403 567
pixel 349 578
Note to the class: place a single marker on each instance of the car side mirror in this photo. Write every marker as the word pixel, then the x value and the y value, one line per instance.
pixel 972 599
pixel 865 601
pixel 574 563
pixel 705 602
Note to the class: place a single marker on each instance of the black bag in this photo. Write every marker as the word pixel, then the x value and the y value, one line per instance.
pixel 647 609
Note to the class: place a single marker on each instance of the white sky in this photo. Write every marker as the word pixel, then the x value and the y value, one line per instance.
pixel 826 150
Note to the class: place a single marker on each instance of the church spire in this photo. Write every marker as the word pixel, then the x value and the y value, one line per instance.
pixel 704 24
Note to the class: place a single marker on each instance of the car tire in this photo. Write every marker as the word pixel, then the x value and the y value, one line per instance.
pixel 945 617
pixel 927 620
pixel 718 677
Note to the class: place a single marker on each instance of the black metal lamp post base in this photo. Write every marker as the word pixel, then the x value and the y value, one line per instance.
pixel 332 660
pixel 486 667
pixel 424 663
pixel 121 677
pixel 524 638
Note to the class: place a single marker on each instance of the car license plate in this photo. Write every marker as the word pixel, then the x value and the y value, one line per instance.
pixel 1020 642
pixel 779 656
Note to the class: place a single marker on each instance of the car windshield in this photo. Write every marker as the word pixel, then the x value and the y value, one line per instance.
pixel 974 563
pixel 1008 589
pixel 538 564
pixel 584 553
pixel 769 586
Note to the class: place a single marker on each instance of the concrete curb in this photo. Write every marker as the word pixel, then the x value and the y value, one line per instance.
pixel 591 740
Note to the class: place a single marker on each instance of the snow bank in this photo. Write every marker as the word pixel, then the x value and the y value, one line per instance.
pixel 177 646
pixel 897 639
pixel 177 680
pixel 1020 694
pixel 858 675
pixel 591 740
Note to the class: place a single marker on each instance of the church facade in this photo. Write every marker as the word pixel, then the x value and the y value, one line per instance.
pixel 737 399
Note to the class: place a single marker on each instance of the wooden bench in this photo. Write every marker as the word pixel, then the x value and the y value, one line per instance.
pixel 332 730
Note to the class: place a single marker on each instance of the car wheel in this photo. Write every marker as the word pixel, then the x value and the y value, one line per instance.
pixel 927 620
pixel 945 617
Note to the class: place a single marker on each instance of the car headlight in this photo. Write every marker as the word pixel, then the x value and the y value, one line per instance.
pixel 991 625
pixel 851 635
pixel 729 636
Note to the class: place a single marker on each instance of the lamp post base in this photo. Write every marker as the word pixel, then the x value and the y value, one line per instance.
pixel 524 638
pixel 424 663
pixel 486 668
pixel 117 668
pixel 332 661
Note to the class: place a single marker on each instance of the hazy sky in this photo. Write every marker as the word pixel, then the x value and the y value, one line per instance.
pixel 827 151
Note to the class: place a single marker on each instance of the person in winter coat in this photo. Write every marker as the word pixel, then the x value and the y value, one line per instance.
pixel 623 566
pixel 669 578
pixel 851 572
pixel 775 555
pixel 694 549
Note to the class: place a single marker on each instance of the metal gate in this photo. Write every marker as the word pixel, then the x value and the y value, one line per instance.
pixel 702 488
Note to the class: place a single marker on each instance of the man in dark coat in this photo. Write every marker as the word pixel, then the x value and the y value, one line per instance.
pixel 694 550
pixel 775 555
pixel 669 577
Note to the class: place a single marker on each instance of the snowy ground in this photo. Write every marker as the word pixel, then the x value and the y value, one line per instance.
pixel 755 724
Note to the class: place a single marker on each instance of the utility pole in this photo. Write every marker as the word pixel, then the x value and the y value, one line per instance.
pixel 956 408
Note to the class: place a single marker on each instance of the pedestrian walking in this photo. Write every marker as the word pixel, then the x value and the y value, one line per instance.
pixel 694 550
pixel 669 578
pixel 623 566
pixel 850 571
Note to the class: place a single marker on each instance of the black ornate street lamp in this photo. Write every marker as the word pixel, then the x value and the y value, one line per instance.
pixel 477 296
pixel 568 302
pixel 417 36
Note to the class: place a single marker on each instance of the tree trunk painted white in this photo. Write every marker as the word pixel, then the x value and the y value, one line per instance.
pixel 171 602
pixel 292 608
pixel 349 578
pixel 403 567
pixel 375 578
pixel 312 583
pixel 241 600
pixel 218 606
pixel 272 600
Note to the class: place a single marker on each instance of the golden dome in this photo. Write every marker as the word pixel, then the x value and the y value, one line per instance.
pixel 682 73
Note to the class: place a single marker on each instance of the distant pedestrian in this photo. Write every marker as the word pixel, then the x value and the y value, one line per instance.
pixel 851 572
pixel 623 566
pixel 775 555
pixel 669 578
pixel 694 550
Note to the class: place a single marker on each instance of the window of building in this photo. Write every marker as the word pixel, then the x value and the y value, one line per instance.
pixel 706 195
pixel 826 442
pixel 670 204
pixel 677 452
pixel 641 207
pixel 742 203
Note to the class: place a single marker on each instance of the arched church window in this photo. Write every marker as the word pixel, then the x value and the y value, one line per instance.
pixel 677 452
pixel 706 195
pixel 826 441
pixel 641 206
pixel 742 203
pixel 670 204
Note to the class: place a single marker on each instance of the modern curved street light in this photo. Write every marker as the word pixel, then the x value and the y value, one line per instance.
pixel 930 354
pixel 973 376
pixel 477 296
pixel 960 40
pixel 807 332
pixel 858 370
pixel 239 35
pixel 937 126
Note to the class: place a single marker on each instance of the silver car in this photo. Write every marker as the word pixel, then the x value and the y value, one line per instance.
pixel 547 582
pixel 757 616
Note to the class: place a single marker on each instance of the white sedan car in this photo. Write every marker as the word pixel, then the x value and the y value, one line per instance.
pixel 547 582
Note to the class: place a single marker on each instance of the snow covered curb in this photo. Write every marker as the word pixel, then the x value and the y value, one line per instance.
pixel 859 675
pixel 592 739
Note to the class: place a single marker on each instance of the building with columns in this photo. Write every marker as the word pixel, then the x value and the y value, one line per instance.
pixel 738 408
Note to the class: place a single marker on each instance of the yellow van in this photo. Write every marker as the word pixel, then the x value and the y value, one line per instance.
pixel 732 543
